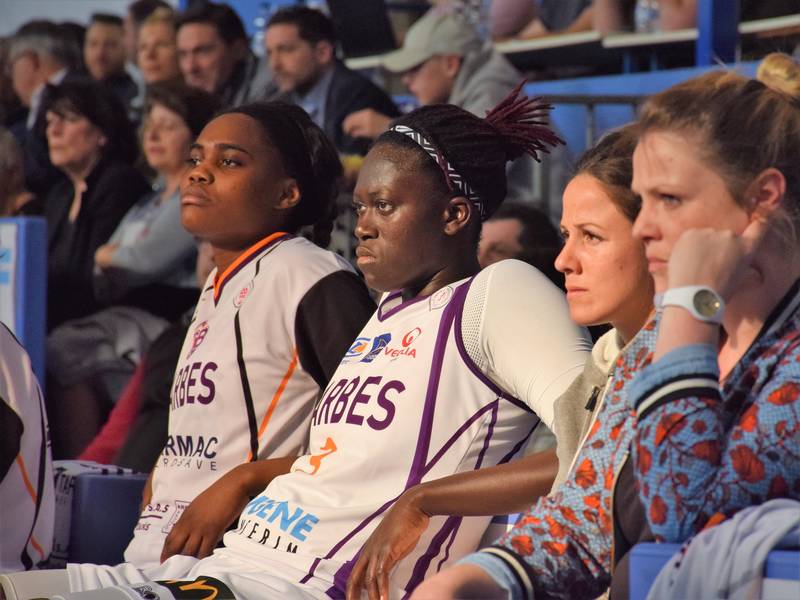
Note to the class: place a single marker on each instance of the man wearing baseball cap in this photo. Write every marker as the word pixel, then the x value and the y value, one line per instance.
pixel 443 59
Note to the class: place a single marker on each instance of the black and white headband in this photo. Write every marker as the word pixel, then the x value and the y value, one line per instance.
pixel 454 180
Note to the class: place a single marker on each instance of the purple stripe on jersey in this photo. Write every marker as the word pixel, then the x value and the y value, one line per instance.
pixel 488 437
pixel 382 316
pixel 423 441
pixel 426 424
pixel 462 351
pixel 346 539
pixel 424 561
pixel 340 579
pixel 248 260
pixel 491 406
pixel 446 556
pixel 518 446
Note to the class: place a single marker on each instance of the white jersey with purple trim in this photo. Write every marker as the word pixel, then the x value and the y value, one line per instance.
pixel 411 402
pixel 27 494
pixel 239 390
pixel 431 387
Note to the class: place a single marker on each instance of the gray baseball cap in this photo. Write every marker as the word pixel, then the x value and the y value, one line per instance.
pixel 430 35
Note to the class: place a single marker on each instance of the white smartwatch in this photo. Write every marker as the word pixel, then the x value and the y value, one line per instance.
pixel 701 301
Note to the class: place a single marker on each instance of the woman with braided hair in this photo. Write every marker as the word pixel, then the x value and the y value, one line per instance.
pixel 452 373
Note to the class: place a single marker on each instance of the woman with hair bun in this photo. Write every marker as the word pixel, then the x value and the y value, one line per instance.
pixel 452 373
pixel 705 398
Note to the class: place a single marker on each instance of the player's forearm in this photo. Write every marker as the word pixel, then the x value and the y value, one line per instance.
pixel 253 477
pixel 501 489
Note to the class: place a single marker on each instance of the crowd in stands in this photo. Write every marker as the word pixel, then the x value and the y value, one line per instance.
pixel 313 427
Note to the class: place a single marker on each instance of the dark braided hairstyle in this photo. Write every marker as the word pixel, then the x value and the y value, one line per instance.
pixel 308 157
pixel 478 149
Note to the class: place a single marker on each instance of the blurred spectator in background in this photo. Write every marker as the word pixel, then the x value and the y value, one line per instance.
pixel 213 53
pixel 443 59
pixel 149 261
pixel 92 142
pixel 136 14
pixel 76 32
pixel 104 56
pixel 11 108
pixel 528 19
pixel 523 232
pixel 301 48
pixel 41 52
pixel 157 49
pixel 617 15
pixel 13 195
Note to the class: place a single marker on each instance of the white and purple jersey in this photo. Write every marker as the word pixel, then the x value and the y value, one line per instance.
pixel 248 372
pixel 431 386
pixel 408 404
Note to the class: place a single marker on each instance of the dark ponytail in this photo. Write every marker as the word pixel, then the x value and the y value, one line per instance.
pixel 478 149
pixel 308 157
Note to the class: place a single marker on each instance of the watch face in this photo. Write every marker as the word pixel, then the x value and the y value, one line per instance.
pixel 706 303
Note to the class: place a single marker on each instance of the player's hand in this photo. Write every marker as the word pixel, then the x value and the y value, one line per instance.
pixel 719 259
pixel 367 123
pixel 396 536
pixel 204 521
pixel 462 582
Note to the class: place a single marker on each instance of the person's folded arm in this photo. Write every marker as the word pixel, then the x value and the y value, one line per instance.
pixel 209 515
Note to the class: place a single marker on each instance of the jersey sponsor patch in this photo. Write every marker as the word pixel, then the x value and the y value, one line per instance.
pixel 406 347
pixel 180 506
pixel 276 524
pixel 379 342
pixel 441 297
pixel 356 349
pixel 240 297
pixel 198 336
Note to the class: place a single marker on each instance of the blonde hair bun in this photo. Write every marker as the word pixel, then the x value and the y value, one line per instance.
pixel 780 72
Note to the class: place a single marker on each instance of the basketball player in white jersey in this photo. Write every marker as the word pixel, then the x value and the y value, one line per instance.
pixel 452 373
pixel 262 342
pixel 27 498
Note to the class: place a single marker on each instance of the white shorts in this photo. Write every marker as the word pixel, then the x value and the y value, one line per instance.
pixel 179 578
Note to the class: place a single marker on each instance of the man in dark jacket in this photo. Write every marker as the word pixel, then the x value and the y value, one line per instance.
pixel 300 44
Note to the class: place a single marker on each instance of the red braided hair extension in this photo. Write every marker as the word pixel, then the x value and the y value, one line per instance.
pixel 522 121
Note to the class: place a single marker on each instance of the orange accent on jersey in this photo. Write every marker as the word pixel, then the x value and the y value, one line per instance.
pixel 24 472
pixel 200 585
pixel 32 493
pixel 220 279
pixel 278 393
pixel 37 547
pixel 316 459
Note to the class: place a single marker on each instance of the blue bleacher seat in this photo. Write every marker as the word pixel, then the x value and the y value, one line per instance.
pixel 105 509
pixel 648 559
